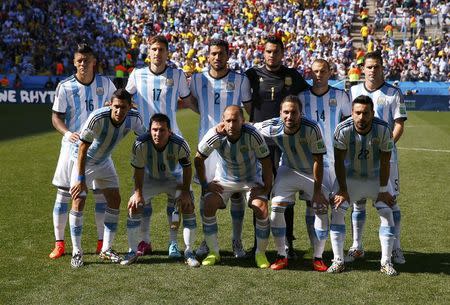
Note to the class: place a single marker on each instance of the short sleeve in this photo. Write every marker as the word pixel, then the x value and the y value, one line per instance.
pixel 60 102
pixel 137 155
pixel 183 88
pixel 209 142
pixel 131 84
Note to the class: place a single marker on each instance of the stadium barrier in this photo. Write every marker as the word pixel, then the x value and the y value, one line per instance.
pixel 422 96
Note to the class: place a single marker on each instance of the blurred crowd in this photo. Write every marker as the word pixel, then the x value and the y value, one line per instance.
pixel 38 36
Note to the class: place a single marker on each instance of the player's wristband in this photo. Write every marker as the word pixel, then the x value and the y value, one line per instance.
pixel 383 189
pixel 204 184
pixel 81 178
pixel 67 134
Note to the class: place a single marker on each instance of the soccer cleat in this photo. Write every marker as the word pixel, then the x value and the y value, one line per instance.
pixel 354 254
pixel 203 250
pixel 144 248
pixel 174 252
pixel 398 257
pixel 99 246
pixel 319 265
pixel 110 255
pixel 58 251
pixel 261 260
pixel 190 260
pixel 130 257
pixel 280 263
pixel 336 267
pixel 388 269
pixel 211 259
pixel 238 249
pixel 77 260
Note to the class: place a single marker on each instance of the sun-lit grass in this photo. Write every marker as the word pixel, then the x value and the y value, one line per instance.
pixel 28 276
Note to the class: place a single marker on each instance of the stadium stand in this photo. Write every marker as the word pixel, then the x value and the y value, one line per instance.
pixel 37 36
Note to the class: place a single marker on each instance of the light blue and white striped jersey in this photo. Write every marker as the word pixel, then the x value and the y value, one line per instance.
pixel 163 164
pixel 78 101
pixel 158 93
pixel 327 110
pixel 389 104
pixel 213 95
pixel 363 151
pixel 104 135
pixel 297 149
pixel 238 161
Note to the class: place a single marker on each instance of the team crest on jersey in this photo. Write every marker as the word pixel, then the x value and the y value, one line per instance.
pixel 288 81
pixel 381 100
pixel 375 141
pixel 100 91
pixel 332 102
pixel 169 82
pixel 230 86
pixel 244 149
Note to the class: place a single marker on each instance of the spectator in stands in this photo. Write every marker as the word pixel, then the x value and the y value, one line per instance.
pixel 4 82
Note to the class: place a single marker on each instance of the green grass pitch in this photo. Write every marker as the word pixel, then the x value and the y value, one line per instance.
pixel 29 148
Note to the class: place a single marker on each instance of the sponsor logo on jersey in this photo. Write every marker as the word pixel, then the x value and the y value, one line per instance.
pixel 230 86
pixel 332 102
pixel 288 81
pixel 169 82
pixel 390 145
pixel 381 100
pixel 263 150
pixel 320 145
pixel 100 91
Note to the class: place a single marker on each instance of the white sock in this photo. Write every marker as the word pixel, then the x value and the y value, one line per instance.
pixel 189 230
pixel 60 210
pixel 337 230
pixel 397 225
pixel 321 232
pixel 111 221
pixel 358 222
pixel 278 227
pixel 145 223
pixel 210 231
pixel 100 208
pixel 133 224
pixel 76 230
pixel 386 231
pixel 262 234
pixel 237 211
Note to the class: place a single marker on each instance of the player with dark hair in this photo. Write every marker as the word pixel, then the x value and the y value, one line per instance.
pixel 270 84
pixel 390 107
pixel 214 90
pixel 76 97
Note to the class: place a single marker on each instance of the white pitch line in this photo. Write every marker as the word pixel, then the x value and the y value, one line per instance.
pixel 425 149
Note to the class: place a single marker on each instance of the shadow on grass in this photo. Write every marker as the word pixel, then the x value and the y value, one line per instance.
pixel 23 120
pixel 416 262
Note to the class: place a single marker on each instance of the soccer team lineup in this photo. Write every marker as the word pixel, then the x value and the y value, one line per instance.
pixel 335 150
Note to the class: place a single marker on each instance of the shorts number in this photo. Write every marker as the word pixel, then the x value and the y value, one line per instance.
pixel 217 98
pixel 156 94
pixel 162 167
pixel 396 185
